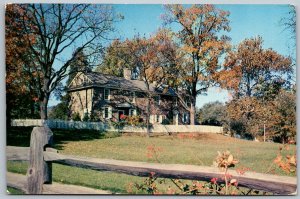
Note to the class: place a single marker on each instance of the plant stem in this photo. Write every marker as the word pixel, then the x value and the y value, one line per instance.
pixel 226 186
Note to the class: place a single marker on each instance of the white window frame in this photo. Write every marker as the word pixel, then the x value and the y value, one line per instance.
pixel 109 112
pixel 104 93
pixel 134 112
pixel 183 117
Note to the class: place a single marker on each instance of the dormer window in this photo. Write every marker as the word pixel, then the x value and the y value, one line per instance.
pixel 106 94
pixel 132 97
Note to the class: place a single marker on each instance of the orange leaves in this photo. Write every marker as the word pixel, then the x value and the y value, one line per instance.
pixel 287 163
pixel 190 49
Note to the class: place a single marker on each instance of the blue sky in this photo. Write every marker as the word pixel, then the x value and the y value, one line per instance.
pixel 245 21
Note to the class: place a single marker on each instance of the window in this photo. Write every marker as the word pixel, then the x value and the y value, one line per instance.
pixel 185 117
pixel 132 112
pixel 107 113
pixel 106 94
pixel 157 118
pixel 157 99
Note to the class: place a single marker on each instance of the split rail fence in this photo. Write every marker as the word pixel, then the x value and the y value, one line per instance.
pixel 41 156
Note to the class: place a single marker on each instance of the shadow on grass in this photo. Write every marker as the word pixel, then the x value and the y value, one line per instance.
pixel 20 136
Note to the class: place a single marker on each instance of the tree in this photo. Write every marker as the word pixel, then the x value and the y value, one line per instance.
pixel 213 113
pixel 255 76
pixel 147 64
pixel 251 70
pixel 283 123
pixel 289 22
pixel 116 58
pixel 60 27
pixel 148 58
pixel 201 44
pixel 20 92
pixel 61 110
pixel 244 116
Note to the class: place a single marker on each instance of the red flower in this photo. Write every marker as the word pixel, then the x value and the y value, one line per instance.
pixel 122 117
pixel 214 180
pixel 152 173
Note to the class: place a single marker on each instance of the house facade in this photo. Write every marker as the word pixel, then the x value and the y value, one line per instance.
pixel 108 98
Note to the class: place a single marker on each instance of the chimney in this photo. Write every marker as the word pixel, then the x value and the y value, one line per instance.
pixel 127 73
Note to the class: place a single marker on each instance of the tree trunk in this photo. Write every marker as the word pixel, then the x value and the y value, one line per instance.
pixel 43 107
pixel 192 113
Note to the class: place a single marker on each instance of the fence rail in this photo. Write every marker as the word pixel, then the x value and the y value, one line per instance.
pixel 62 124
pixel 41 156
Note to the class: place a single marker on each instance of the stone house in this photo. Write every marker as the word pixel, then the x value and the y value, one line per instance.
pixel 107 97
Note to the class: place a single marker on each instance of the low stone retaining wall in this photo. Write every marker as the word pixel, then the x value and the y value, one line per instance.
pixel 61 124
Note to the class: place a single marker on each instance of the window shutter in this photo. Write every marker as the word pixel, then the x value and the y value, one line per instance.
pixel 103 113
pixel 160 118
pixel 134 112
pixel 151 119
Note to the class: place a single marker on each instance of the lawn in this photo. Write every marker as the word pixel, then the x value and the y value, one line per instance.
pixel 200 150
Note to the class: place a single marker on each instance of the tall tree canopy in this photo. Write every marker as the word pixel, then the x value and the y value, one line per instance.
pixel 58 28
pixel 256 76
pixel 62 110
pixel 20 79
pixel 251 70
pixel 201 43
pixel 115 59
pixel 213 113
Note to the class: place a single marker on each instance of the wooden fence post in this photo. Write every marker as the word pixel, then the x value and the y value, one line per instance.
pixel 39 171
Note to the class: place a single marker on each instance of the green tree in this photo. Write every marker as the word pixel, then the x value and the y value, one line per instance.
pixel 213 113
pixel 116 58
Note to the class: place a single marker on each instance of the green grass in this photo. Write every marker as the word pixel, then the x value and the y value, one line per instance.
pixel 200 151
pixel 13 191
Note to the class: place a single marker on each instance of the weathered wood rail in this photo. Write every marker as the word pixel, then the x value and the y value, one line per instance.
pixel 41 156
pixel 19 181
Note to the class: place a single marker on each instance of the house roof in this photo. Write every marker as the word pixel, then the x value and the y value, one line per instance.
pixel 103 80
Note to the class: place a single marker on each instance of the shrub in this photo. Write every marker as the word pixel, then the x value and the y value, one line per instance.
pixel 76 117
pixel 85 118
pixel 165 121
pixel 133 120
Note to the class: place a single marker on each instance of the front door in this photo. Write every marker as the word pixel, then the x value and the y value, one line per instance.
pixel 120 113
